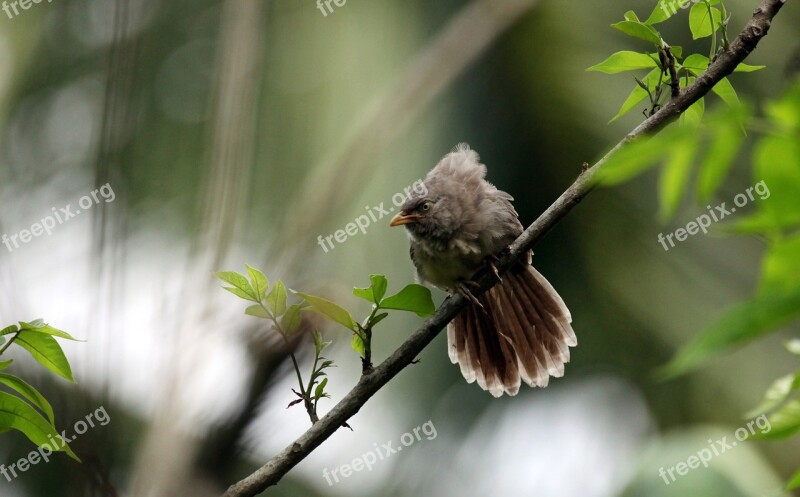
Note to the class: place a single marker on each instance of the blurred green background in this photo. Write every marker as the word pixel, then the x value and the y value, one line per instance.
pixel 238 132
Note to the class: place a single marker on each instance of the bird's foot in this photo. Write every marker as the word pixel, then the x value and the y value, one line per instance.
pixel 490 261
pixel 463 287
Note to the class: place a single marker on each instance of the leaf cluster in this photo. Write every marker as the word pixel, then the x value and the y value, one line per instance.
pixel 29 411
pixel 271 305
pixel 707 18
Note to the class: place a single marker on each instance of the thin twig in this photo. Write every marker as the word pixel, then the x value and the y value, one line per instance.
pixel 668 64
pixel 369 384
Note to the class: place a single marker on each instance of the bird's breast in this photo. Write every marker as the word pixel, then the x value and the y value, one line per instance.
pixel 443 264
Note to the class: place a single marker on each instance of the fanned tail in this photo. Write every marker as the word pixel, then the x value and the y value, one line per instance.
pixel 523 333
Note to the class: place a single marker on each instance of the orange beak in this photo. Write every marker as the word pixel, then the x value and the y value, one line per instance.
pixel 401 219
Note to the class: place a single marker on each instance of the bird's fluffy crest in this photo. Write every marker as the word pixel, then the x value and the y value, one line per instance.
pixel 461 166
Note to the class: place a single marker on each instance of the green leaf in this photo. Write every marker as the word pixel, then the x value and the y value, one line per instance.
pixel 241 293
pixel 276 300
pixel 320 390
pixel 358 344
pixel 784 423
pixel 631 16
pixel 46 350
pixel 18 415
pixel 5 364
pixel 780 269
pixel 699 22
pixel 776 394
pixel 47 330
pixel 260 283
pixel 744 322
pixel 9 329
pixel 241 287
pixel 414 298
pixel 692 116
pixel 364 293
pixel 319 346
pixel 638 94
pixel 317 338
pixel 638 30
pixel 379 285
pixel 330 310
pixel 375 292
pixel 775 161
pixel 794 481
pixel 785 112
pixel 258 311
pixel 29 393
pixel 663 10
pixel 378 318
pixel 726 140
pixel 695 64
pixel 724 90
pixel 291 318
pixel 675 176
pixel 624 61
pixel 748 68
pixel 639 155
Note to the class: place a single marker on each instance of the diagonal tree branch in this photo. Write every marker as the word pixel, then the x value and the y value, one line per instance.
pixel 369 384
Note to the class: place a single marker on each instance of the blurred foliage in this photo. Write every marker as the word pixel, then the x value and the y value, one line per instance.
pixel 776 172
pixel 714 144
pixel 776 165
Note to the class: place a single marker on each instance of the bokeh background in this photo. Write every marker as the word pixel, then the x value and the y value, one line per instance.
pixel 239 131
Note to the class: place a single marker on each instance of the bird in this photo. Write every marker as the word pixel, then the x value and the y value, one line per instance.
pixel 520 330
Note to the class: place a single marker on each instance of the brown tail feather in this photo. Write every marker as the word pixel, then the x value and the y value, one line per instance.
pixel 522 334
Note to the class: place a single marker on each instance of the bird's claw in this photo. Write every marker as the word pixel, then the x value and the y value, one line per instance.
pixel 462 287
pixel 489 261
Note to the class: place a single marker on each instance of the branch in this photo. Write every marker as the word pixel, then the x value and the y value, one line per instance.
pixel 369 384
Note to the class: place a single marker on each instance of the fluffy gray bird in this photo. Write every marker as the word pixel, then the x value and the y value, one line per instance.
pixel 518 330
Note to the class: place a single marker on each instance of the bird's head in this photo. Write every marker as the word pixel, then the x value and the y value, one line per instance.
pixel 451 200
pixel 419 214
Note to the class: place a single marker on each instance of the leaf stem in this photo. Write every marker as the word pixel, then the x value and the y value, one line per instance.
pixel 713 33
pixel 304 393
pixel 366 329
pixel 9 342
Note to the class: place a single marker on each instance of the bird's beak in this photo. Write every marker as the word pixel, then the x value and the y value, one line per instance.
pixel 401 219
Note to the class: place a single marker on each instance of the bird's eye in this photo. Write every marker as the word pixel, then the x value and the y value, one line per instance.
pixel 425 207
